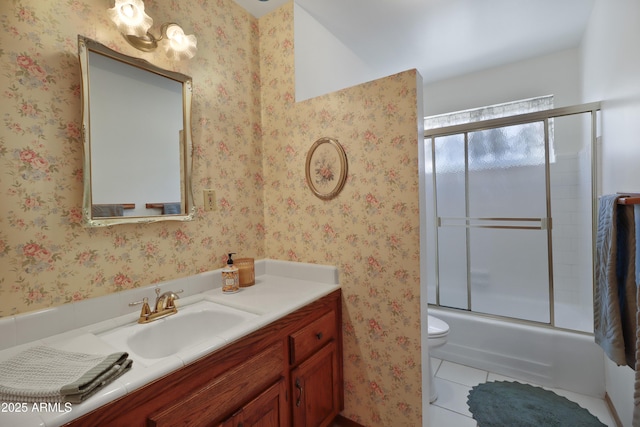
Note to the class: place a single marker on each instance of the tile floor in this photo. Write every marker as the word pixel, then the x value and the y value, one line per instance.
pixel 454 382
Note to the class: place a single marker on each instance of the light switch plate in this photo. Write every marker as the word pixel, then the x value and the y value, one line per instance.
pixel 209 200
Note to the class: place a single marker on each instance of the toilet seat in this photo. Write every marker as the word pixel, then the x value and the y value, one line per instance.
pixel 437 327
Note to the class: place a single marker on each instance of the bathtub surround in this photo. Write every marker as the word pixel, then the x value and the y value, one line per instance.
pixel 243 114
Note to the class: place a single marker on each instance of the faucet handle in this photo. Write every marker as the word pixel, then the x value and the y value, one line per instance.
pixel 145 311
pixel 142 301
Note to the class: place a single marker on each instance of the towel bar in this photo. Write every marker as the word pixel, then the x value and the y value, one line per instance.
pixel 629 199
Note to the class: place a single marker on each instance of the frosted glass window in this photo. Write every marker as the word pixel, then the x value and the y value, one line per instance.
pixel 496 111
pixel 499 147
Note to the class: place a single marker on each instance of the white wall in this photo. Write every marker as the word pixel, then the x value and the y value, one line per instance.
pixel 323 63
pixel 611 74
pixel 555 74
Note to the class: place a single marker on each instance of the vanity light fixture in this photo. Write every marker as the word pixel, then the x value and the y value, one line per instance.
pixel 134 24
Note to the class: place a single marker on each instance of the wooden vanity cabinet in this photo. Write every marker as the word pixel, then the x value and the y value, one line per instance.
pixel 316 375
pixel 288 373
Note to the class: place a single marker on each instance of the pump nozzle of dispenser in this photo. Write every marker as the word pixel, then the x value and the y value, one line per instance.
pixel 229 260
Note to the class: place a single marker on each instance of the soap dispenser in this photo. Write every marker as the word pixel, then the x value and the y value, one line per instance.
pixel 230 277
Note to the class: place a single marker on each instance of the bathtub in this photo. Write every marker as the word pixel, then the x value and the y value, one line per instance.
pixel 543 355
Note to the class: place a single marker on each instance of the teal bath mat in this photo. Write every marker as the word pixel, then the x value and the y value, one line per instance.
pixel 510 404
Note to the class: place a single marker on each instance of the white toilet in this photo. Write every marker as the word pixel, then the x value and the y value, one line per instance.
pixel 438 333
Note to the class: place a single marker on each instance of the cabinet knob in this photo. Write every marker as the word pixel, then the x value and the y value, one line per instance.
pixel 319 335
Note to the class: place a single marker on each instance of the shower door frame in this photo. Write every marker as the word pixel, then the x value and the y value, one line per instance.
pixel 544 223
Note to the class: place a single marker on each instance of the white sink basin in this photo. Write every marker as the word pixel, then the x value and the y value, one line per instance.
pixel 164 337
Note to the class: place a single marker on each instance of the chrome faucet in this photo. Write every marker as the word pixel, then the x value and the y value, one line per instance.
pixel 164 306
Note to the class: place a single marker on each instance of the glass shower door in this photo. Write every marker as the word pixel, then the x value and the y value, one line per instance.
pixel 491 209
pixel 507 210
pixel 450 183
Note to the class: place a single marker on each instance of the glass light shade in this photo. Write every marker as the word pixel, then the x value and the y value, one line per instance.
pixel 130 18
pixel 178 45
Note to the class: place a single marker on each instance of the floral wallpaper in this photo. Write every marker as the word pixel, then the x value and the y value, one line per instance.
pixel 250 143
pixel 370 230
pixel 47 258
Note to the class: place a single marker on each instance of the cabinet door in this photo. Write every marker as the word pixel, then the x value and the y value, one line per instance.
pixel 315 389
pixel 269 409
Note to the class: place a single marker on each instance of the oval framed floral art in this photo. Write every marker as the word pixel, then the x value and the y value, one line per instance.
pixel 326 168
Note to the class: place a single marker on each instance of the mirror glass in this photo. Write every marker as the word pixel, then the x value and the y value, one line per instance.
pixel 137 139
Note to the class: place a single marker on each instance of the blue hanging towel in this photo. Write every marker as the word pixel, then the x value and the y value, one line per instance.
pixel 615 305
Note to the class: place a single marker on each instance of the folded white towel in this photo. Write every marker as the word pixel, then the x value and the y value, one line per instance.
pixel 43 373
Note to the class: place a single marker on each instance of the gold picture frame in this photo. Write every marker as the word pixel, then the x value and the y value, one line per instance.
pixel 326 168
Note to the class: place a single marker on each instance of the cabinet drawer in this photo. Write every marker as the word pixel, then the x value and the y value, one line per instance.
pixel 226 393
pixel 312 337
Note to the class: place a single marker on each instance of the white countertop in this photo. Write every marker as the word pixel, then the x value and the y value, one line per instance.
pixel 281 287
